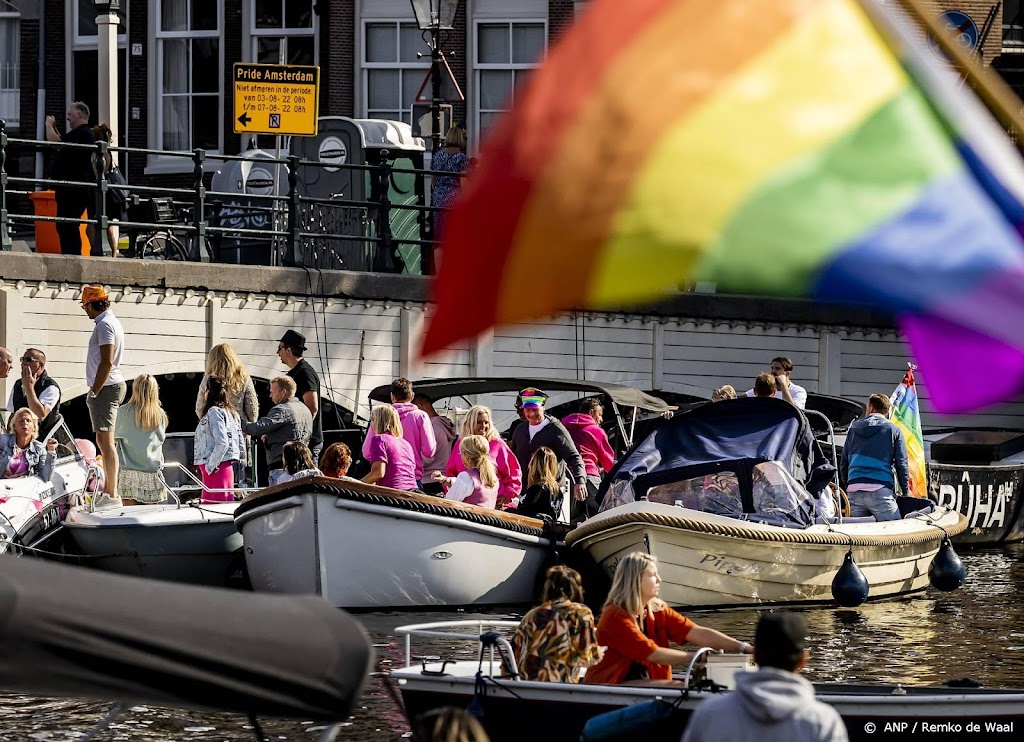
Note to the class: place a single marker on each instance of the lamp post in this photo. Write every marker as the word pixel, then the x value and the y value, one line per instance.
pixel 433 17
pixel 107 21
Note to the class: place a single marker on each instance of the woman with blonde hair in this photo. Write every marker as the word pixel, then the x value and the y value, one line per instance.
pixel 542 496
pixel 21 455
pixel 222 361
pixel 510 475
pixel 139 436
pixel 636 628
pixel 392 459
pixel 478 483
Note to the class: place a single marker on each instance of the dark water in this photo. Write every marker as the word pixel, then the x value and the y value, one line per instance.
pixel 976 632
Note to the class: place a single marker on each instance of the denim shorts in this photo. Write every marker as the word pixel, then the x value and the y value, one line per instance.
pixel 103 407
pixel 881 503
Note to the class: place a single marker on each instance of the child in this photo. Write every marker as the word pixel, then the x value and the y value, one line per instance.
pixel 542 496
pixel 478 485
pixel 298 461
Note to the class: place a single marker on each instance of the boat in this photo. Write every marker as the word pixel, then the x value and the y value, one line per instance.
pixel 512 709
pixel 733 498
pixel 31 510
pixel 362 546
pixel 182 540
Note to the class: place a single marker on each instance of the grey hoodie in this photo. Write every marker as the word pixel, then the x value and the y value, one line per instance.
pixel 768 704
pixel 445 435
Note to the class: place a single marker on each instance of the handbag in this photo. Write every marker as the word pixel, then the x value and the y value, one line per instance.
pixel 118 186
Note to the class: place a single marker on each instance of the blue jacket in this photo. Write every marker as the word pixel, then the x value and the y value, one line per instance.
pixel 39 461
pixel 873 447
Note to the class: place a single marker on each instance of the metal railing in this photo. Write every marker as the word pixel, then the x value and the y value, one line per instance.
pixel 390 230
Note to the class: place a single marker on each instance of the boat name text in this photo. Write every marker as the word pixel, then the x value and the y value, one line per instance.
pixel 984 505
pixel 723 564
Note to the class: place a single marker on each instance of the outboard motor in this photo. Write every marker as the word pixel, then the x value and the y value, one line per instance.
pixel 947 572
pixel 850 587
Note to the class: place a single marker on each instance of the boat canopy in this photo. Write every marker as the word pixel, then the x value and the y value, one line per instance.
pixel 748 457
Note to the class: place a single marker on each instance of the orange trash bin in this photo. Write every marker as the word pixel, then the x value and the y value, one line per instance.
pixel 44 203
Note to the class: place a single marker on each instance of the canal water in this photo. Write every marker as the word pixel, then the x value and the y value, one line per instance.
pixel 930 638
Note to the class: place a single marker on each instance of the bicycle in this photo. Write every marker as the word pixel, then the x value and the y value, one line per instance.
pixel 158 243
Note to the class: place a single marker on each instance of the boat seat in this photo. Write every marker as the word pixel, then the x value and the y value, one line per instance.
pixel 859 519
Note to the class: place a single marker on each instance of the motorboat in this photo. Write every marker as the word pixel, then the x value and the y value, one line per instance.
pixel 184 539
pixel 512 709
pixel 734 499
pixel 31 510
pixel 363 546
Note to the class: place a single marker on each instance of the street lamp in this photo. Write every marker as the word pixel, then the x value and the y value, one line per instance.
pixel 433 17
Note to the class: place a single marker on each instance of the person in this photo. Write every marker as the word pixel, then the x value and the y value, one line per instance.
pixel 336 460
pixel 218 442
pixel 592 442
pixel 781 371
pixel 307 383
pixel 451 158
pixel 139 435
pixel 542 496
pixel 21 455
pixel 36 390
pixel 636 628
pixel 510 475
pixel 544 430
pixel 74 165
pixel 288 420
pixel 448 724
pixel 874 447
pixel 444 438
pixel 764 386
pixel 106 384
pixel 222 361
pixel 416 427
pixel 773 703
pixel 477 484
pixel 6 364
pixel 558 639
pixel 115 207
pixel 723 393
pixel 392 458
pixel 298 461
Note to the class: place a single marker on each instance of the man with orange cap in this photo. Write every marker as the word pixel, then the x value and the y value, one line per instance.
pixel 106 384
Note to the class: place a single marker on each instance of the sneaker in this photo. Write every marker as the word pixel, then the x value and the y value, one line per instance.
pixel 104 501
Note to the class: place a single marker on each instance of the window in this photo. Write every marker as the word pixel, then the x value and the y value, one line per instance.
pixel 392 73
pixel 1013 24
pixel 283 32
pixel 505 54
pixel 84 24
pixel 188 110
pixel 10 85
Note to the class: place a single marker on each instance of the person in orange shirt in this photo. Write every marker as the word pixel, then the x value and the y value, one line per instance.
pixel 636 628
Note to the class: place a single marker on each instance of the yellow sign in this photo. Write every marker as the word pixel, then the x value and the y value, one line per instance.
pixel 276 99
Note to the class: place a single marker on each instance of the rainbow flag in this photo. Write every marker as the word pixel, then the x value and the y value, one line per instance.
pixel 906 414
pixel 791 148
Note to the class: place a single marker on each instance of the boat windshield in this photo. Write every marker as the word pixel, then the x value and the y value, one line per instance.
pixel 711 493
pixel 776 492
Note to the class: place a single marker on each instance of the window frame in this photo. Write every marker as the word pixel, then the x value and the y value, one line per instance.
pixel 14 16
pixel 80 42
pixel 253 34
pixel 365 66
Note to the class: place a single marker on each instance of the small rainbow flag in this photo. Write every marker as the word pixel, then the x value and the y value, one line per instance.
pixel 906 415
pixel 792 148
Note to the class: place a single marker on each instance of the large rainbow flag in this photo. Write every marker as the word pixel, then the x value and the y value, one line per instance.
pixel 792 148
pixel 906 415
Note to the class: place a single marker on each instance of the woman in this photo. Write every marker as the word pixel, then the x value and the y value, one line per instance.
pixel 139 436
pixel 218 442
pixel 542 497
pixel 451 158
pixel 392 459
pixel 510 474
pixel 636 628
pixel 115 207
pixel 21 455
pixel 335 461
pixel 222 361
pixel 298 461
pixel 723 393
pixel 477 484
pixel 557 639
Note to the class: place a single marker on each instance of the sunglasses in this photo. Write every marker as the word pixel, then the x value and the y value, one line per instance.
pixel 26 359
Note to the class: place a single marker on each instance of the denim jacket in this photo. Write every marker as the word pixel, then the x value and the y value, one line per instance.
pixel 39 461
pixel 218 439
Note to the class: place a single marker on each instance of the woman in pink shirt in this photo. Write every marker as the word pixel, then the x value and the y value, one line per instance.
pixel 392 460
pixel 510 474
pixel 478 483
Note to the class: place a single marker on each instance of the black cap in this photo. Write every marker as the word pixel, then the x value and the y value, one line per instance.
pixel 294 340
pixel 781 633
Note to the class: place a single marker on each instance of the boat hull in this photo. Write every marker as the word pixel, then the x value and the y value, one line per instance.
pixel 360 553
pixel 706 560
pixel 991 498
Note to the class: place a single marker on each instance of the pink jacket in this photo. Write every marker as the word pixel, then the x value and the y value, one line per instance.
pixel 416 429
pixel 510 475
pixel 591 441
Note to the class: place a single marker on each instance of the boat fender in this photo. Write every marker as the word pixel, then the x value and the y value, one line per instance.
pixel 627 723
pixel 850 587
pixel 947 571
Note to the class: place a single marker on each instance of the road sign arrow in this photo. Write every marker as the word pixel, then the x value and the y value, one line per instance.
pixel 244 119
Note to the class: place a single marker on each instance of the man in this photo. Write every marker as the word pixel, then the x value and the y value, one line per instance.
pixel 72 165
pixel 539 429
pixel 592 442
pixel 106 384
pixel 764 386
pixel 782 370
pixel 444 435
pixel 6 364
pixel 307 383
pixel 873 447
pixel 36 390
pixel 288 420
pixel 416 427
pixel 773 703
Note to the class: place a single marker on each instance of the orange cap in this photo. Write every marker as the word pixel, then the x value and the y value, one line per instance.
pixel 93 293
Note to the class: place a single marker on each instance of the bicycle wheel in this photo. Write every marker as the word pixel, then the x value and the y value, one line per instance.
pixel 164 246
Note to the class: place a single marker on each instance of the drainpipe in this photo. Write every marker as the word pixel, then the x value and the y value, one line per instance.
pixel 41 92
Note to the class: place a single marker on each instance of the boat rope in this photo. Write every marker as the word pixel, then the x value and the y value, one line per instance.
pixel 787 535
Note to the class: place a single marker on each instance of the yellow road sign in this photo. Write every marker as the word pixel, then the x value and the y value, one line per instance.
pixel 276 99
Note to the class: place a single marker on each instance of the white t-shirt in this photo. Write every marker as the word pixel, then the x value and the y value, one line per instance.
pixel 108 331
pixel 49 397
pixel 798 393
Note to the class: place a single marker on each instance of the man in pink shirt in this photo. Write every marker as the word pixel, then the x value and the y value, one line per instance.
pixel 416 427
pixel 592 442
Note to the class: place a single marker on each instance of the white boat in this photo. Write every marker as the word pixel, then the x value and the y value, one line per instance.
pixel 362 546
pixel 729 498
pixel 512 709
pixel 181 540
